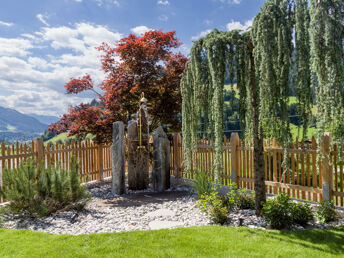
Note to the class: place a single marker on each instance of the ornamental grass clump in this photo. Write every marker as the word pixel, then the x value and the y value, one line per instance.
pixel 203 183
pixel 39 191
pixel 1 216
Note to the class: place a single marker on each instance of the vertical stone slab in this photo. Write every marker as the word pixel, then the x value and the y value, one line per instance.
pixel 161 161
pixel 118 159
pixel 138 162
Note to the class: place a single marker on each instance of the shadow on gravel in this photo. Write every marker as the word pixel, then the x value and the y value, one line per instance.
pixel 139 199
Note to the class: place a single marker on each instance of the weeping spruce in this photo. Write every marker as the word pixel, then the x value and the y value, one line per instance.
pixel 303 73
pixel 260 60
pixel 326 37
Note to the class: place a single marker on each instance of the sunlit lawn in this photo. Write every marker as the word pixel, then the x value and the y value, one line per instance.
pixel 208 241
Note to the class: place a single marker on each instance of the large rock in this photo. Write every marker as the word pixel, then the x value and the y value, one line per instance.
pixel 118 159
pixel 138 162
pixel 161 161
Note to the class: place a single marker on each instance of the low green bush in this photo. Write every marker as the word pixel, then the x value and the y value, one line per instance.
pixel 326 212
pixel 301 213
pixel 212 204
pixel 33 189
pixel 239 198
pixel 280 212
pixel 277 212
pixel 203 183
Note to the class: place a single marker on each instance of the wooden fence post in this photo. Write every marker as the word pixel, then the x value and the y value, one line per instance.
pixel 274 164
pixel 327 181
pixel 176 155
pixel 101 163
pixel 234 143
pixel 39 150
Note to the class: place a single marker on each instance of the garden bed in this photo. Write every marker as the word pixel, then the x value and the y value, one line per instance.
pixel 137 210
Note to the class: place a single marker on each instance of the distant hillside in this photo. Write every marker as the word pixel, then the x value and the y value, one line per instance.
pixel 15 126
pixel 45 119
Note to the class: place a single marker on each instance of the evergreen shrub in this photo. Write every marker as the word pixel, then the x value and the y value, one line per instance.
pixel 38 190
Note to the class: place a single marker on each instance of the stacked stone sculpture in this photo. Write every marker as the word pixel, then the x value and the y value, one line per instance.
pixel 138 162
pixel 138 155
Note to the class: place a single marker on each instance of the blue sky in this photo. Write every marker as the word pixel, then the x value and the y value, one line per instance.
pixel 43 43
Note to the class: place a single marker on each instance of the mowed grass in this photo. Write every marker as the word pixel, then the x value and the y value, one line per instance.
pixel 207 241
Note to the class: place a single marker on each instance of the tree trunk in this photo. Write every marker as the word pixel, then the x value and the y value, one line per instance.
pixel 258 148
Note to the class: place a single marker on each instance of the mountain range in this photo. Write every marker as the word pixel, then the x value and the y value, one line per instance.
pixel 15 126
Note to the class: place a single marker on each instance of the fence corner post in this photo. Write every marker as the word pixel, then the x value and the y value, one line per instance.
pixel 234 143
pixel 101 163
pixel 327 181
pixel 39 149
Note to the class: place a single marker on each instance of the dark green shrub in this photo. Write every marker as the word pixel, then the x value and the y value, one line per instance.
pixel 203 184
pixel 326 212
pixel 239 198
pixel 212 204
pixel 280 212
pixel 301 213
pixel 277 212
pixel 31 188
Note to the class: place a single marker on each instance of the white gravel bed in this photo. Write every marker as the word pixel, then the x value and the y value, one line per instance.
pixel 140 210
pixel 108 213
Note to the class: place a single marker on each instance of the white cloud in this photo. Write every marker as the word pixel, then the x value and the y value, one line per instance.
pixel 230 1
pixel 201 35
pixel 95 35
pixel 163 17
pixel 7 24
pixel 79 1
pixel 208 22
pixel 34 84
pixel 108 3
pixel 140 29
pixel 235 25
pixel 42 18
pixel 27 101
pixel 15 46
pixel 163 2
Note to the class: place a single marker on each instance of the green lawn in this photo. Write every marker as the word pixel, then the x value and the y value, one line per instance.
pixel 206 241
pixel 294 132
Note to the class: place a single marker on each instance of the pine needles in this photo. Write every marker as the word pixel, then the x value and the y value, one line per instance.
pixel 38 190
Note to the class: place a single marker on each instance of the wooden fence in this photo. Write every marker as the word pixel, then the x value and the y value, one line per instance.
pixel 308 170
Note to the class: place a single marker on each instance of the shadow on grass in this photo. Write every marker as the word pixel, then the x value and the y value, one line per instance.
pixel 330 241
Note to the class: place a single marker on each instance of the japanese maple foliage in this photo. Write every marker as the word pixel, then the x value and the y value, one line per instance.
pixel 136 64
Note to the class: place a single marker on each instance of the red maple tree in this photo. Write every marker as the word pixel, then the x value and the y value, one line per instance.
pixel 136 64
